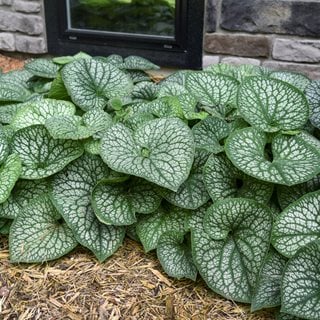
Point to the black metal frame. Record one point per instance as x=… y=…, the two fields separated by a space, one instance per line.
x=184 y=50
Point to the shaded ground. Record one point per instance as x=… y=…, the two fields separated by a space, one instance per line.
x=129 y=286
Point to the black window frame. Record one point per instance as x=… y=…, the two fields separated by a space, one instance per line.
x=184 y=50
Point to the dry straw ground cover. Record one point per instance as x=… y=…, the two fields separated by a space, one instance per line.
x=131 y=285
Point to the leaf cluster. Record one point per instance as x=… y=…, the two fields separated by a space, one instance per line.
x=217 y=170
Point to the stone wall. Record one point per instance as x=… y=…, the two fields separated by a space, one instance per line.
x=280 y=34
x=22 y=26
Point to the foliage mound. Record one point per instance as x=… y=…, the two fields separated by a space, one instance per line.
x=217 y=170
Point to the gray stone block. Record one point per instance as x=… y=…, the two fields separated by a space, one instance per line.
x=26 y=6
x=272 y=16
x=30 y=44
x=312 y=71
x=296 y=50
x=211 y=16
x=6 y=2
x=238 y=60
x=25 y=23
x=238 y=45
x=6 y=21
x=7 y=42
x=208 y=60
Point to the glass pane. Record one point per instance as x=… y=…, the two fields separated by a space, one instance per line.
x=150 y=17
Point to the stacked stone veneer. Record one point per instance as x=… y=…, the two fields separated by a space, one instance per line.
x=22 y=26
x=280 y=34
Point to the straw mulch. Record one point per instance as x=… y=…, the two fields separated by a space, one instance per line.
x=11 y=63
x=130 y=285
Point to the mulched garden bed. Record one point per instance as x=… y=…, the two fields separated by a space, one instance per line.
x=131 y=285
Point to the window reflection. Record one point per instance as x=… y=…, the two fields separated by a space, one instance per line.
x=150 y=17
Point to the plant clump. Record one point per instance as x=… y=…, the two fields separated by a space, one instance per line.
x=217 y=170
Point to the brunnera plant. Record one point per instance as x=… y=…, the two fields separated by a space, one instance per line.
x=217 y=170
